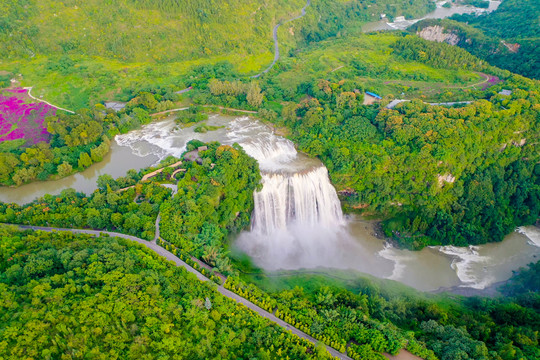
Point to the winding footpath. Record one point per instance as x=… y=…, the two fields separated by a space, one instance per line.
x=276 y=42
x=46 y=102
x=170 y=256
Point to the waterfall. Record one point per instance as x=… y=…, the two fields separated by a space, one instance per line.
x=304 y=198
x=298 y=223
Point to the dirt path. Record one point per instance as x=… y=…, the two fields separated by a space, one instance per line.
x=46 y=102
x=485 y=79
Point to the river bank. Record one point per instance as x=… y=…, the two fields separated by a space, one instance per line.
x=343 y=242
x=441 y=12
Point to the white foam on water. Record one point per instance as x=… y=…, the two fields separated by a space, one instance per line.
x=532 y=233
x=298 y=224
x=465 y=259
x=402 y=25
x=271 y=151
x=398 y=257
x=165 y=138
x=157 y=137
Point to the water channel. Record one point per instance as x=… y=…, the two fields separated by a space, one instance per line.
x=298 y=222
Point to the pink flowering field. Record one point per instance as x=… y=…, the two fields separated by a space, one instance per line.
x=20 y=118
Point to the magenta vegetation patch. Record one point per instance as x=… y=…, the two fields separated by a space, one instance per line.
x=20 y=118
x=491 y=80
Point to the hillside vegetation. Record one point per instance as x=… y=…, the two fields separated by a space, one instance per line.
x=513 y=19
x=76 y=54
x=439 y=175
x=139 y=30
x=508 y=38
x=517 y=55
x=77 y=296
x=171 y=30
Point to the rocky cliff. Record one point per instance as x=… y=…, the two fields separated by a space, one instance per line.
x=437 y=33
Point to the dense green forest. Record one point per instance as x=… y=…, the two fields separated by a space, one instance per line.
x=508 y=37
x=77 y=141
x=513 y=19
x=419 y=166
x=214 y=199
x=77 y=296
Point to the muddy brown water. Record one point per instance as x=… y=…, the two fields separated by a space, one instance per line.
x=116 y=163
x=353 y=244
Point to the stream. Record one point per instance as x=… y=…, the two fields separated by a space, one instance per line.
x=297 y=222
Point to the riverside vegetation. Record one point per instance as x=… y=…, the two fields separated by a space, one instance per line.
x=74 y=142
x=436 y=175
x=363 y=319
x=508 y=38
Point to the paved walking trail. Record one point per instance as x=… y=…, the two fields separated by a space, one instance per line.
x=170 y=256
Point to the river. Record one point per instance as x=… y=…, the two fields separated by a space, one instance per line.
x=116 y=163
x=298 y=222
x=439 y=13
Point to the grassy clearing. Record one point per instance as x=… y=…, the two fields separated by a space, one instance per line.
x=369 y=59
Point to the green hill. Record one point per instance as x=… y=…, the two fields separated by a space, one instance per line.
x=139 y=30
x=168 y=30
x=77 y=53
x=508 y=38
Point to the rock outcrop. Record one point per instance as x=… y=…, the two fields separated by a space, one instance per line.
x=436 y=33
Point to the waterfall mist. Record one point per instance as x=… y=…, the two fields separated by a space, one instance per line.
x=298 y=223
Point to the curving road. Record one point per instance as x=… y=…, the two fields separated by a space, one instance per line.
x=276 y=42
x=170 y=256
x=46 y=102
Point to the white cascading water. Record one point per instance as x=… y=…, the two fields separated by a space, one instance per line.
x=297 y=221
x=304 y=198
